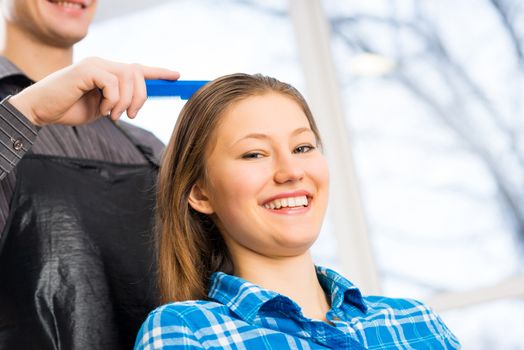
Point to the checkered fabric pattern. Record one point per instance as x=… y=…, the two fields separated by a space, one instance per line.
x=241 y=315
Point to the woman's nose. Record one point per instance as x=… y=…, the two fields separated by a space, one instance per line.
x=288 y=169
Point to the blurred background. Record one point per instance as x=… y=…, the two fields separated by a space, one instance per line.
x=421 y=107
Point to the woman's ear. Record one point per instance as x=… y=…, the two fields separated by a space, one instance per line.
x=199 y=200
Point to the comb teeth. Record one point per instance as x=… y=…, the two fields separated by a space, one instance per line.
x=177 y=88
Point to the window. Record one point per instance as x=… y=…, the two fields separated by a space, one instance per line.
x=433 y=99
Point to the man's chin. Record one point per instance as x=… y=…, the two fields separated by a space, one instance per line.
x=65 y=41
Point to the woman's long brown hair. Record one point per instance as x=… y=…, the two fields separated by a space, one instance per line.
x=190 y=247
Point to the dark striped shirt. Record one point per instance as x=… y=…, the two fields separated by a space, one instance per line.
x=101 y=140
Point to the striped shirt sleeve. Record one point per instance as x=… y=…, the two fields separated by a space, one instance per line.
x=17 y=135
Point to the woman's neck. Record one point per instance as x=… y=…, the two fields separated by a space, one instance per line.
x=35 y=58
x=294 y=277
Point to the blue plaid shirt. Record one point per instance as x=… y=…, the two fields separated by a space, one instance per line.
x=242 y=315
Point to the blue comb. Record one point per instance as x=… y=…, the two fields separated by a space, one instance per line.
x=167 y=88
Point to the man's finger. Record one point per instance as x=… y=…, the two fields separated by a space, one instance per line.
x=159 y=73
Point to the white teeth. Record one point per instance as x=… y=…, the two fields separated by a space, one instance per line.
x=290 y=202
x=68 y=4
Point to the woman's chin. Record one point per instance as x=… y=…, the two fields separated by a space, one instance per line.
x=294 y=246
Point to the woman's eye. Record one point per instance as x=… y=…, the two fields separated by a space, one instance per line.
x=304 y=149
x=252 y=155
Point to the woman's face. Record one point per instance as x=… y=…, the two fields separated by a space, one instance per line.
x=267 y=182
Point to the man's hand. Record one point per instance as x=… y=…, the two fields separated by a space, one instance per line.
x=86 y=90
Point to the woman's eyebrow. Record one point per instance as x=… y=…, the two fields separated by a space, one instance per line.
x=258 y=136
x=261 y=136
x=301 y=130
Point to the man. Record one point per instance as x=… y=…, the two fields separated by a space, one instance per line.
x=76 y=199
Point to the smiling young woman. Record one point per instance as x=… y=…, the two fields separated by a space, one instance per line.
x=242 y=194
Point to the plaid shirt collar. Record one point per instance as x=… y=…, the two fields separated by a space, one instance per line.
x=246 y=299
x=340 y=289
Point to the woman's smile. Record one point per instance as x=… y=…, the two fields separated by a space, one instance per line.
x=289 y=203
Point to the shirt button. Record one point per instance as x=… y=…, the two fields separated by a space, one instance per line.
x=17 y=145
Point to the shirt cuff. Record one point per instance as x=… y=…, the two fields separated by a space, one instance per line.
x=17 y=135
